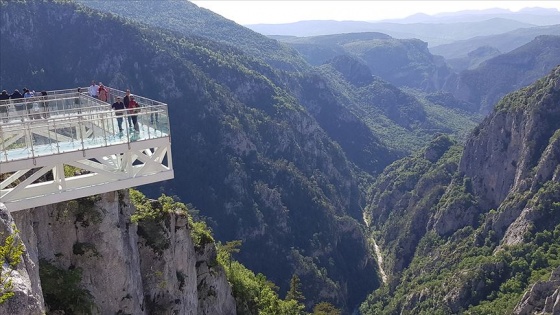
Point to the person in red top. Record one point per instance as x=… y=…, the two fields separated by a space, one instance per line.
x=133 y=110
x=102 y=92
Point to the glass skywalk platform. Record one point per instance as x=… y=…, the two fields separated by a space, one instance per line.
x=67 y=145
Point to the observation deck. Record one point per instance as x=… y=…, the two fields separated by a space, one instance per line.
x=67 y=145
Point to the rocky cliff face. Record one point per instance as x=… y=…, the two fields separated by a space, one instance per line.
x=91 y=247
x=28 y=297
x=252 y=157
x=543 y=298
x=505 y=73
x=459 y=229
x=515 y=152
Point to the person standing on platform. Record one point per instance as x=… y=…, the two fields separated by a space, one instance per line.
x=16 y=94
x=126 y=100
x=133 y=110
x=118 y=106
x=93 y=89
x=27 y=93
x=44 y=98
x=16 y=97
x=102 y=92
x=4 y=97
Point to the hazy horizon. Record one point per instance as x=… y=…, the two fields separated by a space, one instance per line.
x=280 y=12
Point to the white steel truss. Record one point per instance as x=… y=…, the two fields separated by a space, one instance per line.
x=101 y=170
x=78 y=152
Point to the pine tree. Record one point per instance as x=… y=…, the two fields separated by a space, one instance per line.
x=294 y=293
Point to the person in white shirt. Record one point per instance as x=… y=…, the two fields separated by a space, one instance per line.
x=93 y=89
x=28 y=93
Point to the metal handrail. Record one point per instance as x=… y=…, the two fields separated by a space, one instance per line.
x=69 y=111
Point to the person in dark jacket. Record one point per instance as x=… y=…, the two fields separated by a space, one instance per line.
x=4 y=96
x=118 y=106
x=45 y=103
x=17 y=98
x=16 y=94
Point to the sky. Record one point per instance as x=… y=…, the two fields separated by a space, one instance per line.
x=287 y=11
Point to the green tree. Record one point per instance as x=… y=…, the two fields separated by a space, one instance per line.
x=325 y=308
x=227 y=250
x=294 y=293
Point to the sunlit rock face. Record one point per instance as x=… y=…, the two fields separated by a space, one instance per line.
x=27 y=298
x=120 y=270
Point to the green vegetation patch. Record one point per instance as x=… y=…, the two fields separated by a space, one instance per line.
x=254 y=294
x=62 y=289
x=466 y=273
x=10 y=254
x=152 y=218
x=82 y=210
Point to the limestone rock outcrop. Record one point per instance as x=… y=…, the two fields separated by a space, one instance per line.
x=28 y=297
x=94 y=240
x=543 y=298
x=499 y=194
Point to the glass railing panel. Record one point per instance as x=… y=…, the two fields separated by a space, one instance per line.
x=67 y=135
x=15 y=140
x=68 y=120
x=42 y=138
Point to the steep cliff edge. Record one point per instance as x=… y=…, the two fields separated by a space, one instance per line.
x=476 y=232
x=253 y=158
x=544 y=296
x=19 y=281
x=91 y=256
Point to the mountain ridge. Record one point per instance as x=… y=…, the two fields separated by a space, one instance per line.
x=434 y=34
x=455 y=223
x=252 y=158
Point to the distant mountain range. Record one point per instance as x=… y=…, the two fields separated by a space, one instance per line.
x=435 y=30
x=537 y=16
x=479 y=78
x=462 y=51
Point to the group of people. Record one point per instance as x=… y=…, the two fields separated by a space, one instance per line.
x=98 y=91
x=17 y=94
x=126 y=104
x=36 y=109
x=121 y=105
x=129 y=104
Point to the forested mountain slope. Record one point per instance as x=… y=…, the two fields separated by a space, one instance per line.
x=405 y=120
x=409 y=64
x=186 y=18
x=362 y=134
x=503 y=43
x=471 y=229
x=505 y=73
x=402 y=62
x=247 y=152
